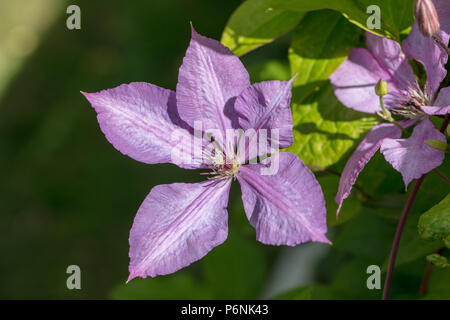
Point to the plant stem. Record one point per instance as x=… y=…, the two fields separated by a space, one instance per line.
x=440 y=174
x=401 y=225
x=426 y=277
x=398 y=235
x=445 y=123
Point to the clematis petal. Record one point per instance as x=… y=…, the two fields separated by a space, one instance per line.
x=286 y=207
x=363 y=153
x=389 y=55
x=209 y=79
x=355 y=79
x=412 y=157
x=266 y=106
x=139 y=120
x=427 y=51
x=176 y=225
x=441 y=105
x=443 y=11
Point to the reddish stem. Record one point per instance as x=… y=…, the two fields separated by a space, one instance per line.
x=398 y=235
x=401 y=225
x=426 y=277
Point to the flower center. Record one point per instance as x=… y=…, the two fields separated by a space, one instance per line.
x=222 y=167
x=408 y=103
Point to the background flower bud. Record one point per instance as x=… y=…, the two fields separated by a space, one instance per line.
x=426 y=17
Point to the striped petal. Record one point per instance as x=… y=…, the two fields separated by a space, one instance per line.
x=285 y=205
x=176 y=225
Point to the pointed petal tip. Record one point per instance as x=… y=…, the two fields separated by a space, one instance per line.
x=194 y=32
x=88 y=95
x=134 y=274
x=323 y=239
x=339 y=206
x=407 y=182
x=293 y=78
x=130 y=277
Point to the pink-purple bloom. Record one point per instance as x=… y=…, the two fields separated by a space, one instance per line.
x=180 y=223
x=354 y=83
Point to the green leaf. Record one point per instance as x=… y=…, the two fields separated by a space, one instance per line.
x=325 y=130
x=350 y=280
x=254 y=24
x=367 y=235
x=438 y=260
x=313 y=58
x=435 y=223
x=396 y=15
x=268 y=70
x=171 y=287
x=412 y=245
x=236 y=269
x=438 y=287
x=350 y=207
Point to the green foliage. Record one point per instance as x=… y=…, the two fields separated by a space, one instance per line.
x=65 y=187
x=257 y=22
x=438 y=260
x=396 y=15
x=325 y=133
x=349 y=281
x=313 y=59
x=438 y=287
x=435 y=223
x=311 y=292
x=412 y=246
x=324 y=130
x=368 y=235
x=254 y=24
x=350 y=207
x=236 y=269
x=269 y=70
x=171 y=287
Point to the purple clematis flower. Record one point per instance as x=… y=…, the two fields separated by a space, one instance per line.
x=354 y=83
x=180 y=223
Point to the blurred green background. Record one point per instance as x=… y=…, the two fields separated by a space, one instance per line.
x=68 y=197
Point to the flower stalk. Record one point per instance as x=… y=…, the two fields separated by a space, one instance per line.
x=381 y=89
x=401 y=225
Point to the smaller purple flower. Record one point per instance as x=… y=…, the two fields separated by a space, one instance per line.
x=180 y=223
x=354 y=83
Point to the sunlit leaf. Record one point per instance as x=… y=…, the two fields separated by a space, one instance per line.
x=254 y=24
x=435 y=223
x=324 y=130
x=395 y=15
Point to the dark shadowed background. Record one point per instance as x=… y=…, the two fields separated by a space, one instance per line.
x=67 y=196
